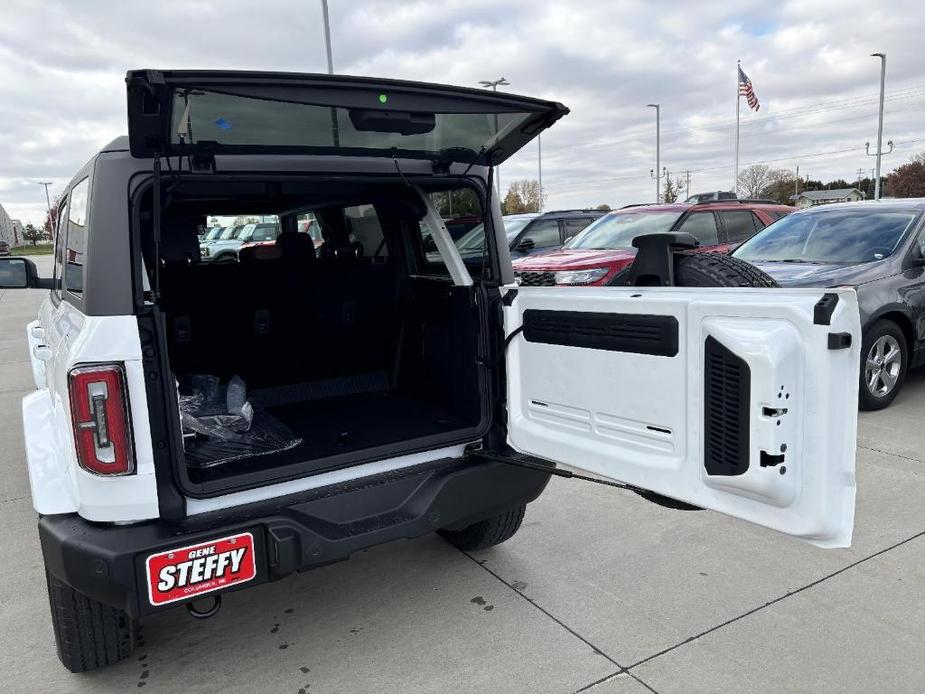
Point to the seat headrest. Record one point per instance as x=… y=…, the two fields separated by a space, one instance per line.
x=180 y=239
x=295 y=247
x=257 y=254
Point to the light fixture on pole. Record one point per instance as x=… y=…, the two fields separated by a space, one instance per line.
x=657 y=174
x=493 y=85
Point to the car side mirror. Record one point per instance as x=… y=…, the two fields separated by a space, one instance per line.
x=21 y=273
x=526 y=245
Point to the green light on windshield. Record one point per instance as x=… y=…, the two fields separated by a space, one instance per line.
x=383 y=98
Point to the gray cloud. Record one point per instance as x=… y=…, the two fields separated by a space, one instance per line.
x=62 y=66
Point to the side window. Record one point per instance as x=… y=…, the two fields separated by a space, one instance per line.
x=60 y=233
x=364 y=229
x=543 y=233
x=702 y=226
x=739 y=224
x=573 y=226
x=75 y=254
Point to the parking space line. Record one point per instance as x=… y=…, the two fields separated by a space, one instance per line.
x=621 y=670
x=776 y=600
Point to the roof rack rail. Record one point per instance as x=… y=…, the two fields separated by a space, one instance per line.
x=577 y=209
x=637 y=204
x=751 y=201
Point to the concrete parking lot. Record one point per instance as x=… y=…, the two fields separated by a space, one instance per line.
x=599 y=592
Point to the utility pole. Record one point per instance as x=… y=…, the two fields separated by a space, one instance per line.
x=658 y=152
x=796 y=186
x=494 y=87
x=539 y=165
x=688 y=173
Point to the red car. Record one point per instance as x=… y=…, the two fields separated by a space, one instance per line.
x=603 y=249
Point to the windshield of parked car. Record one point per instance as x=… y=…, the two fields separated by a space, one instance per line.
x=230 y=233
x=246 y=232
x=215 y=233
x=842 y=237
x=618 y=229
x=474 y=239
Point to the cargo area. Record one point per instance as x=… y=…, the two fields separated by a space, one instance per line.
x=351 y=346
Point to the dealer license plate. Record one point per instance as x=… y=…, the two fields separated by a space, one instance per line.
x=188 y=572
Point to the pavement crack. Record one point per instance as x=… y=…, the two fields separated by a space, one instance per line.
x=776 y=600
x=15 y=498
x=897 y=455
x=546 y=612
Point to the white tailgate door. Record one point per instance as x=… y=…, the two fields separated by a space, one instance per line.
x=743 y=401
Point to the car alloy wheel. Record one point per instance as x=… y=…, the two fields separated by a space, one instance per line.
x=884 y=362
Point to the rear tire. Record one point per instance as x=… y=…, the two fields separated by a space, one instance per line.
x=487 y=533
x=88 y=634
x=710 y=270
x=878 y=344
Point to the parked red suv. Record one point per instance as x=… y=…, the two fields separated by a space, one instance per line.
x=605 y=247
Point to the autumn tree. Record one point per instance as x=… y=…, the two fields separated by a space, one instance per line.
x=753 y=180
x=33 y=234
x=522 y=196
x=781 y=185
x=908 y=180
x=671 y=190
x=603 y=207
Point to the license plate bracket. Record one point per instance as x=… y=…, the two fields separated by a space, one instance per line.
x=188 y=572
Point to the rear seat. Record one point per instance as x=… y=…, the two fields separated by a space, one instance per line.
x=280 y=315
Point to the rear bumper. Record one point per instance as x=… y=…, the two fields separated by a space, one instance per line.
x=107 y=562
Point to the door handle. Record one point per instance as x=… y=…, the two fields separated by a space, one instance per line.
x=42 y=352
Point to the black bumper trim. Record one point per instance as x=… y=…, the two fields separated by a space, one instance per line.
x=106 y=562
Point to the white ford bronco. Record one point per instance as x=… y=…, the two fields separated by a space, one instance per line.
x=199 y=428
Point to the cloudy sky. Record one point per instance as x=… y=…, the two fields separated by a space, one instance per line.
x=62 y=64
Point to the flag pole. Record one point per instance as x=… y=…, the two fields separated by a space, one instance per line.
x=735 y=182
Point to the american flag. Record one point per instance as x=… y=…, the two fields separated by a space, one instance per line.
x=745 y=89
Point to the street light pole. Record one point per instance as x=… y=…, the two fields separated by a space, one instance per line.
x=539 y=165
x=47 y=204
x=658 y=151
x=493 y=84
x=327 y=35
x=882 y=57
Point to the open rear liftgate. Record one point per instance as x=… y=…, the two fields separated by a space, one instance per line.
x=727 y=377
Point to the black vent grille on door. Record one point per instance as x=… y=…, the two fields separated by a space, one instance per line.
x=727 y=396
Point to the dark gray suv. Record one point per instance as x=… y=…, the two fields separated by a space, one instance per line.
x=876 y=247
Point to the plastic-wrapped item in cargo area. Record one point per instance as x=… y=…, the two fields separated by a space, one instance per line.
x=220 y=425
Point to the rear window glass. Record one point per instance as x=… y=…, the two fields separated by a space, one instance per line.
x=830 y=237
x=365 y=231
x=75 y=255
x=236 y=120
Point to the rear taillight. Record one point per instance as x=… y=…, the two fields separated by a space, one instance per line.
x=99 y=410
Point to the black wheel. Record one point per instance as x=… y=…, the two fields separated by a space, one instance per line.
x=487 y=533
x=884 y=359
x=225 y=258
x=711 y=270
x=88 y=634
